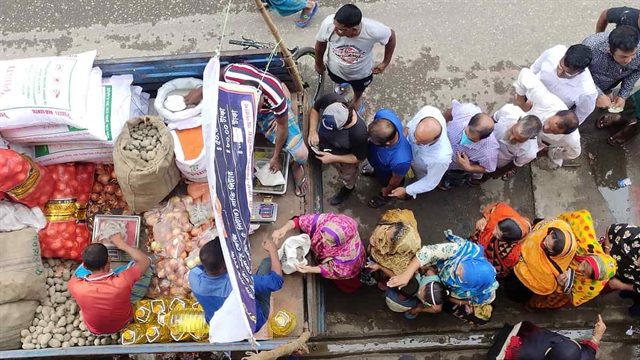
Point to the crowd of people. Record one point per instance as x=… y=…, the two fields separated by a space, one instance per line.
x=543 y=264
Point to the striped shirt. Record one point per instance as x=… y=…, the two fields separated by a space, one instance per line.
x=606 y=72
x=483 y=152
x=274 y=95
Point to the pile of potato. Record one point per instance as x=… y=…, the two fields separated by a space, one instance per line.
x=58 y=322
x=144 y=140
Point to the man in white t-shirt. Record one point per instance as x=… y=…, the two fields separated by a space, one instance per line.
x=565 y=73
x=350 y=39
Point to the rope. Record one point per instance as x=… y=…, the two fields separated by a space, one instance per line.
x=299 y=344
x=224 y=27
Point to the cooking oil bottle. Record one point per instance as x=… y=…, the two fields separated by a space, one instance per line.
x=133 y=334
x=188 y=321
x=282 y=323
x=156 y=333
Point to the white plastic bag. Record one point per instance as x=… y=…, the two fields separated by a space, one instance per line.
x=139 y=102
x=47 y=90
x=293 y=252
x=17 y=217
x=180 y=86
x=195 y=169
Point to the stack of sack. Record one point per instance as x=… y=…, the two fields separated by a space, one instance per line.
x=22 y=278
x=60 y=109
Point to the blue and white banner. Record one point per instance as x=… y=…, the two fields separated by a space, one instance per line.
x=228 y=124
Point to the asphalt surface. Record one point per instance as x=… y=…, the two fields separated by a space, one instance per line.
x=466 y=50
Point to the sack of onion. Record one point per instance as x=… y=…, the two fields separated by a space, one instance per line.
x=66 y=233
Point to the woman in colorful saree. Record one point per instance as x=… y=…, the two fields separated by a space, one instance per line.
x=499 y=231
x=545 y=255
x=336 y=244
x=592 y=266
x=462 y=268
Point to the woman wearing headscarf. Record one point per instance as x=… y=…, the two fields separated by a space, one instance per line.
x=336 y=244
x=499 y=231
x=592 y=266
x=544 y=259
x=394 y=241
x=623 y=244
x=526 y=341
x=462 y=268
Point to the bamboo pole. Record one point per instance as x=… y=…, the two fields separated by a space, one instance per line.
x=288 y=59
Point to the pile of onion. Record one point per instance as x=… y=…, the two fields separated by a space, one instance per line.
x=106 y=194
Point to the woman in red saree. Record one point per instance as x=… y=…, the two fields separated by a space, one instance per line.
x=499 y=232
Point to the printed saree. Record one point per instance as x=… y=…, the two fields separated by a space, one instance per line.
x=395 y=240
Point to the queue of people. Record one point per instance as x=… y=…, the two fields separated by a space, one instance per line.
x=547 y=263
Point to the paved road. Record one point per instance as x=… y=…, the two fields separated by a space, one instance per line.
x=464 y=49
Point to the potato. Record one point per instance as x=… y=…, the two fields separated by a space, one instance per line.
x=28 y=346
x=66 y=344
x=55 y=343
x=44 y=339
x=59 y=337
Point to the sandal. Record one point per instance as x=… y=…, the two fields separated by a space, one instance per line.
x=377 y=201
x=301 y=188
x=305 y=19
x=474 y=182
x=622 y=136
x=608 y=120
x=509 y=175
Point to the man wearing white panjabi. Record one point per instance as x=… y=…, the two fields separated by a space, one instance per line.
x=432 y=152
x=560 y=138
x=565 y=73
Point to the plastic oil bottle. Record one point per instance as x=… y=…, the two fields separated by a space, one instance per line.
x=189 y=320
x=282 y=323
x=133 y=334
x=156 y=333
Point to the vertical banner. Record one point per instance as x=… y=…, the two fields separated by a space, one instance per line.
x=229 y=122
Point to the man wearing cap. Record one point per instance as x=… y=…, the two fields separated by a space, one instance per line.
x=338 y=136
x=432 y=153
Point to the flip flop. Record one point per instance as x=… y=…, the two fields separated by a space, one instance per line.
x=377 y=201
x=509 y=175
x=306 y=18
x=409 y=316
x=608 y=120
x=300 y=190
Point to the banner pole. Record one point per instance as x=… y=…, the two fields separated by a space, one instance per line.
x=288 y=59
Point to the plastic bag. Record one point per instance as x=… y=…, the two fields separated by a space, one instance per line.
x=200 y=212
x=66 y=233
x=180 y=86
x=17 y=216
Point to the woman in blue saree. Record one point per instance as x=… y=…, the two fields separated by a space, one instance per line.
x=306 y=8
x=464 y=270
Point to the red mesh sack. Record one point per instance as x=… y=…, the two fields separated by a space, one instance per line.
x=24 y=181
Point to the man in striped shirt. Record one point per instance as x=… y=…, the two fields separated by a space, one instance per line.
x=475 y=148
x=276 y=120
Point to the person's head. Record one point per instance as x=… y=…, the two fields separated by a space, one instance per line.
x=347 y=21
x=476 y=273
x=623 y=44
x=575 y=60
x=554 y=242
x=594 y=267
x=95 y=257
x=432 y=292
x=335 y=116
x=427 y=132
x=411 y=289
x=382 y=132
x=527 y=127
x=508 y=230
x=479 y=128
x=563 y=122
x=212 y=258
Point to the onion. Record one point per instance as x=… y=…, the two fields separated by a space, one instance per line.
x=104 y=179
x=97 y=188
x=110 y=189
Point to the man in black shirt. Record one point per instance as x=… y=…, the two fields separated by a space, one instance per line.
x=338 y=136
x=620 y=16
